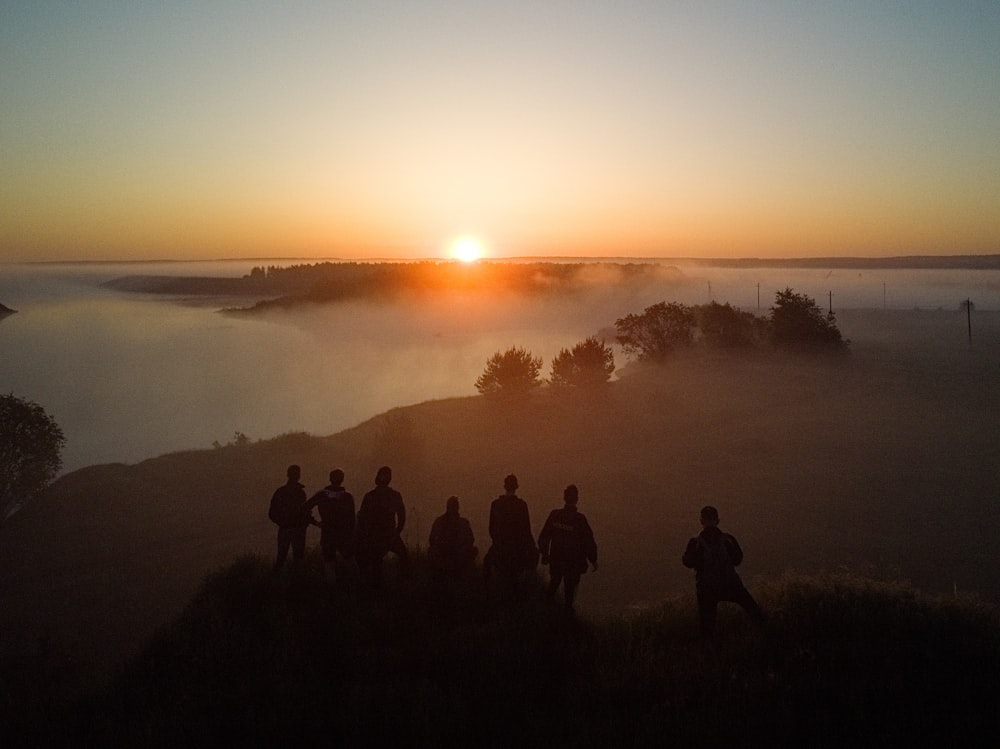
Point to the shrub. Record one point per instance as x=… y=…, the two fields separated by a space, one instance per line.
x=798 y=322
x=588 y=364
x=725 y=326
x=660 y=329
x=30 y=446
x=513 y=371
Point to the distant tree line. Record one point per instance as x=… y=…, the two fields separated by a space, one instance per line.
x=795 y=323
x=323 y=283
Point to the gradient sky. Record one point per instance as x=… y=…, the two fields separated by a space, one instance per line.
x=141 y=129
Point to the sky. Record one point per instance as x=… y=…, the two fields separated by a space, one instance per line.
x=221 y=129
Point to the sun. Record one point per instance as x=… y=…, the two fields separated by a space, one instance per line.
x=467 y=249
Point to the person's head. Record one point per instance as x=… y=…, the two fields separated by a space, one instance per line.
x=293 y=473
x=571 y=495
x=451 y=506
x=510 y=483
x=384 y=476
x=336 y=477
x=709 y=516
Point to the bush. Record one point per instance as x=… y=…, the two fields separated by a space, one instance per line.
x=515 y=371
x=588 y=364
x=727 y=327
x=798 y=322
x=30 y=447
x=660 y=329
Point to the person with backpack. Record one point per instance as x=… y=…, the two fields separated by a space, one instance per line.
x=567 y=544
x=288 y=512
x=379 y=528
x=714 y=556
x=336 y=514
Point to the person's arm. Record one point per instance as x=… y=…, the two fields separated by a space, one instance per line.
x=361 y=526
x=591 y=544
x=545 y=539
x=307 y=508
x=350 y=518
x=435 y=537
x=529 y=537
x=735 y=552
x=466 y=539
x=400 y=515
x=494 y=522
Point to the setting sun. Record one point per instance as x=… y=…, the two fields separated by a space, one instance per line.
x=467 y=249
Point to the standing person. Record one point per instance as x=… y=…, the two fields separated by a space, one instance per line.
x=336 y=514
x=451 y=548
x=287 y=511
x=567 y=544
x=714 y=556
x=513 y=551
x=380 y=522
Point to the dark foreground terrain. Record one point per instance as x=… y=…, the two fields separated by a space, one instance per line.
x=264 y=659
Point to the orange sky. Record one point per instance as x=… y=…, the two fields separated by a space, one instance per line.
x=204 y=131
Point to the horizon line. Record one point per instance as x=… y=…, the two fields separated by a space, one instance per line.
x=941 y=260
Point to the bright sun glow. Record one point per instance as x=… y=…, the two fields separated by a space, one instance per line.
x=467 y=249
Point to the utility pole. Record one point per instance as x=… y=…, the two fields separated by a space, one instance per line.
x=758 y=296
x=968 y=316
x=831 y=303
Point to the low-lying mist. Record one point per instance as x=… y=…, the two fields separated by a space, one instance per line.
x=131 y=376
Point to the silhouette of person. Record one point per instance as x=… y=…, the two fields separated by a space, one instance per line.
x=513 y=551
x=714 y=556
x=380 y=522
x=336 y=514
x=288 y=511
x=451 y=548
x=567 y=544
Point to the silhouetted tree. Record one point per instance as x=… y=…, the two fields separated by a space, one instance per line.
x=798 y=322
x=660 y=329
x=725 y=326
x=588 y=364
x=513 y=371
x=30 y=446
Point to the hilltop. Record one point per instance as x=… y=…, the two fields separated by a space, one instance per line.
x=873 y=464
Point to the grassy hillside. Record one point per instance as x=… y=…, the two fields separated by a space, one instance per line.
x=259 y=659
x=878 y=463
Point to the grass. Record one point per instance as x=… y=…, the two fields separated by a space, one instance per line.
x=262 y=659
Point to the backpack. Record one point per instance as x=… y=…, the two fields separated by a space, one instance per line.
x=284 y=509
x=716 y=569
x=274 y=511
